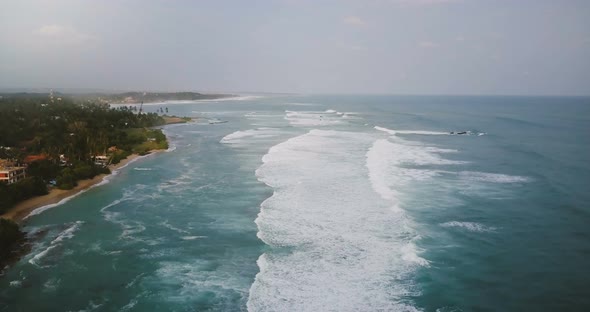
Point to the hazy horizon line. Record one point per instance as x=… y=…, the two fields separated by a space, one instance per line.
x=81 y=91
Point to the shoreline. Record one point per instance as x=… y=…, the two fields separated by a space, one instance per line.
x=170 y=120
x=24 y=209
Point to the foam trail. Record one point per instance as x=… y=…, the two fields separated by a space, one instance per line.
x=347 y=250
x=426 y=132
x=422 y=132
x=469 y=226
x=142 y=169
x=491 y=177
x=394 y=132
x=313 y=118
x=243 y=135
x=66 y=234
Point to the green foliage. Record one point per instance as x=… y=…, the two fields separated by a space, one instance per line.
x=84 y=171
x=35 y=124
x=7 y=199
x=119 y=155
x=45 y=169
x=10 y=236
x=66 y=179
x=24 y=189
x=142 y=141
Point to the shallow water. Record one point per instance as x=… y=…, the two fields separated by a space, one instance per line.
x=330 y=203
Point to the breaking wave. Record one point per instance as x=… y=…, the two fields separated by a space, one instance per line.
x=330 y=226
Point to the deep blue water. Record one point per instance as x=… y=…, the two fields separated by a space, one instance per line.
x=330 y=203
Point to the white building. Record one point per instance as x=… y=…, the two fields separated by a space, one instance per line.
x=11 y=175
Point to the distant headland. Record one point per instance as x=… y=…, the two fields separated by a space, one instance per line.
x=150 y=97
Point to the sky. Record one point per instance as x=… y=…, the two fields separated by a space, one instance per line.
x=495 y=47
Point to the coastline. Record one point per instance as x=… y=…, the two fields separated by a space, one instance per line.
x=176 y=120
x=23 y=209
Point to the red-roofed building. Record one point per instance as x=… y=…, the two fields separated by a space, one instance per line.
x=32 y=158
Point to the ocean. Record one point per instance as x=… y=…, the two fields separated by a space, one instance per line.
x=330 y=203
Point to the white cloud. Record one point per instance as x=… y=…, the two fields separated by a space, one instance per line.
x=64 y=34
x=427 y=44
x=354 y=20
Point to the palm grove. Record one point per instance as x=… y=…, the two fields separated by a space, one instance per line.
x=62 y=138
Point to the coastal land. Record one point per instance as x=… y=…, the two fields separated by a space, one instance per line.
x=149 y=97
x=54 y=147
x=23 y=209
x=19 y=212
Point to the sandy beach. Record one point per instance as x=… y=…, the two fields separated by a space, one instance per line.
x=24 y=208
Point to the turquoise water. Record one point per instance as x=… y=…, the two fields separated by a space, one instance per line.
x=330 y=203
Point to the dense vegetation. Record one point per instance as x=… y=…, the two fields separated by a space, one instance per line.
x=65 y=136
x=26 y=188
x=58 y=140
x=10 y=239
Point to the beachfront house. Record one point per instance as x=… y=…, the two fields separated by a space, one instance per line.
x=101 y=160
x=11 y=174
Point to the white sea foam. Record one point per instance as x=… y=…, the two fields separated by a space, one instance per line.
x=348 y=251
x=129 y=227
x=491 y=177
x=261 y=115
x=36 y=260
x=421 y=132
x=130 y=305
x=258 y=133
x=425 y=132
x=142 y=169
x=313 y=118
x=171 y=143
x=394 y=132
x=349 y=115
x=301 y=104
x=192 y=237
x=68 y=233
x=91 y=306
x=196 y=276
x=167 y=225
x=51 y=285
x=469 y=226
x=16 y=283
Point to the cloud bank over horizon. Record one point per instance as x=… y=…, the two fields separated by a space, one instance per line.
x=351 y=46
